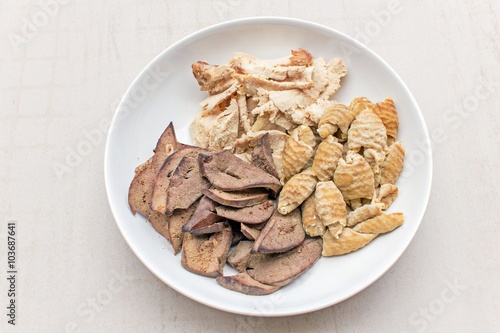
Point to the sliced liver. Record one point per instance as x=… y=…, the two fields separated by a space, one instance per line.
x=281 y=269
x=255 y=214
x=281 y=233
x=186 y=184
x=229 y=173
x=243 y=283
x=206 y=254
x=237 y=199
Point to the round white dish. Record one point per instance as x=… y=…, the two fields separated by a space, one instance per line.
x=166 y=91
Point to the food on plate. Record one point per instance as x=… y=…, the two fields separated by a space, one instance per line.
x=281 y=233
x=281 y=174
x=296 y=191
x=243 y=283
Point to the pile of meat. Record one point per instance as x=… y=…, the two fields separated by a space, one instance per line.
x=249 y=97
x=206 y=201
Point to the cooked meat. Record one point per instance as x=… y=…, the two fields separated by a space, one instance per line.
x=255 y=214
x=281 y=269
x=250 y=232
x=175 y=223
x=224 y=132
x=237 y=199
x=210 y=103
x=208 y=229
x=141 y=188
x=213 y=79
x=185 y=184
x=238 y=258
x=206 y=254
x=203 y=216
x=228 y=173
x=160 y=223
x=262 y=156
x=281 y=233
x=159 y=198
x=243 y=283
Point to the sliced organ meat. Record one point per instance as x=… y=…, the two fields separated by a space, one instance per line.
x=249 y=232
x=281 y=269
x=186 y=184
x=141 y=188
x=206 y=254
x=203 y=216
x=159 y=198
x=175 y=223
x=229 y=173
x=239 y=257
x=243 y=283
x=237 y=199
x=255 y=214
x=262 y=156
x=281 y=233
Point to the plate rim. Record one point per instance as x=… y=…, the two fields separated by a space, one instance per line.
x=282 y=21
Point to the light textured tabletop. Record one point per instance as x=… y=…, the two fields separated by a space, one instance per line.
x=64 y=65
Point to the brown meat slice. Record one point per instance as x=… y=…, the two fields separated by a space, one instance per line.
x=243 y=283
x=249 y=232
x=237 y=199
x=262 y=156
x=209 y=229
x=250 y=215
x=185 y=184
x=175 y=223
x=160 y=223
x=229 y=173
x=159 y=198
x=281 y=233
x=141 y=188
x=281 y=269
x=203 y=216
x=206 y=254
x=239 y=257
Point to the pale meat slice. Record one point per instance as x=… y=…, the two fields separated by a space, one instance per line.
x=335 y=71
x=224 y=132
x=311 y=222
x=296 y=190
x=298 y=151
x=250 y=83
x=228 y=173
x=142 y=186
x=237 y=199
x=330 y=207
x=212 y=78
x=277 y=69
x=281 y=233
x=386 y=194
x=206 y=254
x=209 y=104
x=268 y=117
x=363 y=213
x=380 y=224
x=186 y=184
x=255 y=214
x=348 y=241
x=281 y=269
x=292 y=99
x=176 y=221
x=243 y=283
x=159 y=198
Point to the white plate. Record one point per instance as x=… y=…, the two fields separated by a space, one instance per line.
x=166 y=91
